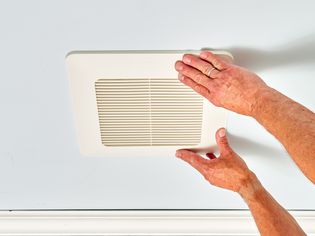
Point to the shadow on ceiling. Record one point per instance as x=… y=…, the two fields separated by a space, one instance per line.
x=300 y=51
x=252 y=148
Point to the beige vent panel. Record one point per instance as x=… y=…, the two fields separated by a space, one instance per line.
x=148 y=112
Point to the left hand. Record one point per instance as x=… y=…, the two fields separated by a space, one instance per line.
x=228 y=171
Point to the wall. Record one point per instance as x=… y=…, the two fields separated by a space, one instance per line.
x=40 y=166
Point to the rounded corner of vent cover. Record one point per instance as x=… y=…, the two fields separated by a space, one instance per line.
x=132 y=104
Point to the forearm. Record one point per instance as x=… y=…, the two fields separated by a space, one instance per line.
x=292 y=124
x=270 y=217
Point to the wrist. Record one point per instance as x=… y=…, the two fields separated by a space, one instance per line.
x=263 y=99
x=250 y=187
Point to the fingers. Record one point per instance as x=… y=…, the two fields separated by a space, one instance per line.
x=216 y=61
x=196 y=87
x=222 y=141
x=196 y=161
x=194 y=74
x=205 y=67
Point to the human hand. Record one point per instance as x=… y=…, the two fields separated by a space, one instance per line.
x=228 y=171
x=222 y=83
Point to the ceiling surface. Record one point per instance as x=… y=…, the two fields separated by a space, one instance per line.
x=40 y=163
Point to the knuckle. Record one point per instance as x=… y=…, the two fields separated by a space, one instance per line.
x=205 y=92
x=224 y=144
x=199 y=76
x=228 y=152
x=215 y=102
x=215 y=73
x=197 y=88
x=231 y=71
x=216 y=63
x=209 y=84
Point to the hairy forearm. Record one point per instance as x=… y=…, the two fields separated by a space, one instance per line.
x=270 y=217
x=292 y=124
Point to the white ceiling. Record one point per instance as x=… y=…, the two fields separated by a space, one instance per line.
x=40 y=166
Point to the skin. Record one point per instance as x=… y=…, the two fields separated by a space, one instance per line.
x=244 y=92
x=229 y=171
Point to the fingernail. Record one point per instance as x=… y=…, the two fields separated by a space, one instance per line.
x=181 y=77
x=222 y=133
x=178 y=154
x=203 y=55
x=186 y=60
x=179 y=67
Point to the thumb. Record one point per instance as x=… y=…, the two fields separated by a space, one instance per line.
x=222 y=141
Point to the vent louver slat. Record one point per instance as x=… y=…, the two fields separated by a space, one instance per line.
x=148 y=112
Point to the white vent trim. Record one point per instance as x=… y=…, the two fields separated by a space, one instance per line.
x=86 y=68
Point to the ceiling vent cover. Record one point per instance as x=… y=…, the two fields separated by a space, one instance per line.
x=132 y=104
x=148 y=112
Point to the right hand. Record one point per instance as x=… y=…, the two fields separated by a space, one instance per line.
x=230 y=86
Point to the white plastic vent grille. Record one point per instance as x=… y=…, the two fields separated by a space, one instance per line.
x=148 y=112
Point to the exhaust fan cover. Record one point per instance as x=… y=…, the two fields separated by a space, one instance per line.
x=130 y=103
